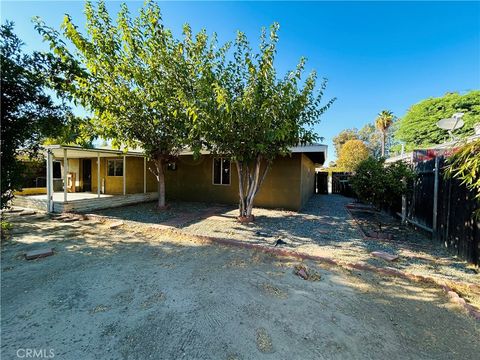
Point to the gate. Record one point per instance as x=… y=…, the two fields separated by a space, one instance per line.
x=341 y=184
x=321 y=183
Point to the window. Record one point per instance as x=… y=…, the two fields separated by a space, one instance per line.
x=221 y=171
x=115 y=167
x=57 y=170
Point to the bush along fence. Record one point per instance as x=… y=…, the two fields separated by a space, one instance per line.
x=443 y=206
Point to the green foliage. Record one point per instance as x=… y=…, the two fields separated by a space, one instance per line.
x=373 y=139
x=352 y=153
x=253 y=111
x=134 y=77
x=147 y=88
x=381 y=185
x=29 y=115
x=251 y=115
x=418 y=127
x=368 y=134
x=344 y=136
x=131 y=71
x=5 y=228
x=6 y=225
x=465 y=166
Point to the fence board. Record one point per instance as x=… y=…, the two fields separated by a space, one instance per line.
x=456 y=227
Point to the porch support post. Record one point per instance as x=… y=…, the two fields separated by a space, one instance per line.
x=49 y=182
x=98 y=174
x=65 y=175
x=144 y=175
x=124 y=174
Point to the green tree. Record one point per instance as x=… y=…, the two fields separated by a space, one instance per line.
x=134 y=76
x=251 y=116
x=465 y=166
x=381 y=185
x=418 y=127
x=352 y=153
x=373 y=139
x=368 y=134
x=29 y=114
x=383 y=122
x=342 y=137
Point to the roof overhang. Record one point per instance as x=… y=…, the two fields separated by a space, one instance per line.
x=316 y=152
x=76 y=152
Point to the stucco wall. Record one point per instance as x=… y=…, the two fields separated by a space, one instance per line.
x=193 y=181
x=308 y=179
x=289 y=182
x=134 y=177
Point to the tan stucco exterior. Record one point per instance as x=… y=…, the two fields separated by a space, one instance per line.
x=282 y=188
x=113 y=184
x=288 y=184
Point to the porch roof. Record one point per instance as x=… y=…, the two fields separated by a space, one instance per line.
x=75 y=152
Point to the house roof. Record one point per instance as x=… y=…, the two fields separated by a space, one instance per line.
x=316 y=152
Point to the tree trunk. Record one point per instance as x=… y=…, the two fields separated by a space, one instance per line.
x=383 y=143
x=241 y=185
x=249 y=183
x=160 y=175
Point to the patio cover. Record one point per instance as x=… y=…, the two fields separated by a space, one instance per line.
x=74 y=152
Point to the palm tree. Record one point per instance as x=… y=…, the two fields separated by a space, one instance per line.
x=382 y=123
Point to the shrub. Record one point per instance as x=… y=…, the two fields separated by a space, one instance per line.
x=465 y=166
x=5 y=227
x=381 y=185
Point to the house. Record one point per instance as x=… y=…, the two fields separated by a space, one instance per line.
x=125 y=179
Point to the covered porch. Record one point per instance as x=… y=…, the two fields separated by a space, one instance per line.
x=81 y=180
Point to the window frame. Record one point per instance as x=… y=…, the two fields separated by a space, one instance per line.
x=115 y=167
x=221 y=171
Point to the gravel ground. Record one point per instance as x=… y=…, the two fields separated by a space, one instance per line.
x=118 y=294
x=178 y=214
x=325 y=228
x=322 y=228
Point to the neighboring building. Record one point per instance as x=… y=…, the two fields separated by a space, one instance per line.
x=125 y=178
x=430 y=152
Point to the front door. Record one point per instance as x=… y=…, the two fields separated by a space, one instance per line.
x=87 y=175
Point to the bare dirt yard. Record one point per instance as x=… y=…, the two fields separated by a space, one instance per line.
x=127 y=294
x=323 y=228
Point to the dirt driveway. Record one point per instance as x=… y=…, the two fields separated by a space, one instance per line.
x=113 y=294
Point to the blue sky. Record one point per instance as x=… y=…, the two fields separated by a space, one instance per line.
x=376 y=55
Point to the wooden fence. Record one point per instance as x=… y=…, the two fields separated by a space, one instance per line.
x=339 y=183
x=444 y=207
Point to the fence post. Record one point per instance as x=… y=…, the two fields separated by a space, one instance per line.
x=404 y=205
x=330 y=183
x=435 y=197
